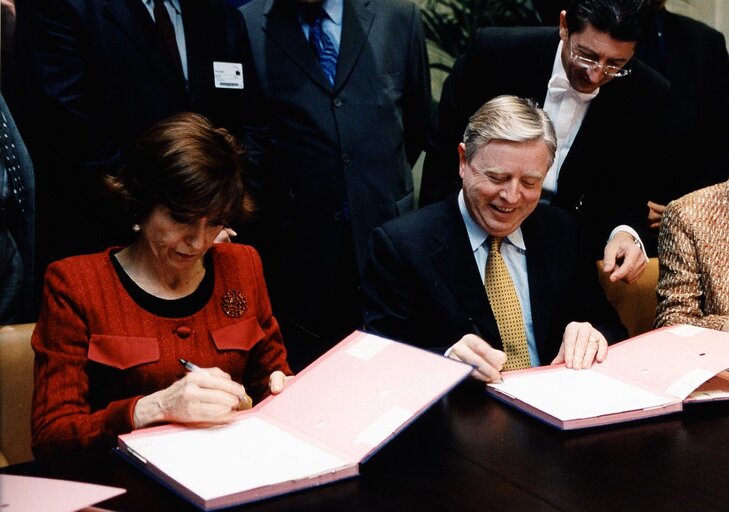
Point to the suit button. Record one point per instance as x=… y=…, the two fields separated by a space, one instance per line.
x=337 y=102
x=345 y=158
x=183 y=331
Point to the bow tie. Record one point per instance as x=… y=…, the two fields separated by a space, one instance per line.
x=559 y=85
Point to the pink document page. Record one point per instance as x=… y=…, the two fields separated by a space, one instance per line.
x=648 y=375
x=363 y=392
x=31 y=494
x=333 y=415
x=674 y=360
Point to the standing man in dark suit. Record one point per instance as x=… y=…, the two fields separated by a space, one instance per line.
x=101 y=73
x=693 y=57
x=17 y=224
x=345 y=94
x=606 y=107
x=428 y=270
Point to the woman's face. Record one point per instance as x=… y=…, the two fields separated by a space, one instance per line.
x=178 y=242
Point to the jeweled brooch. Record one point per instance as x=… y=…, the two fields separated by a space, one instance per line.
x=234 y=303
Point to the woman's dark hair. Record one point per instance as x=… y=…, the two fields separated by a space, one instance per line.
x=186 y=164
x=623 y=20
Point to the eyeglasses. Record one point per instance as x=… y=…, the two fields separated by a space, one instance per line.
x=591 y=64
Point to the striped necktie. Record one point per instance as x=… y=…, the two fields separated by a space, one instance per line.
x=319 y=41
x=507 y=309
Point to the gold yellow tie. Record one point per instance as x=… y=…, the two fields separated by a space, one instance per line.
x=507 y=309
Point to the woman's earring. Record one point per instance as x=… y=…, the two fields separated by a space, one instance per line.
x=136 y=228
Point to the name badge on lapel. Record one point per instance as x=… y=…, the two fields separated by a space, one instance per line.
x=228 y=75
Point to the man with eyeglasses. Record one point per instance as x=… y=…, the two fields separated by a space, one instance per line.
x=491 y=272
x=606 y=107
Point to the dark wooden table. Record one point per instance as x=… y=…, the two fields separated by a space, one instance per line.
x=470 y=452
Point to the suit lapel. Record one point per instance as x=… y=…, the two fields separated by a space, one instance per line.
x=135 y=22
x=454 y=261
x=284 y=29
x=575 y=181
x=357 y=20
x=539 y=251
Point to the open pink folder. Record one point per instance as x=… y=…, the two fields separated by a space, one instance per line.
x=332 y=416
x=32 y=494
x=650 y=375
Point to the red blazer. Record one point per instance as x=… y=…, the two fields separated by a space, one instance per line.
x=97 y=351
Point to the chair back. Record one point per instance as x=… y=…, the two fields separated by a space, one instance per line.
x=636 y=302
x=16 y=393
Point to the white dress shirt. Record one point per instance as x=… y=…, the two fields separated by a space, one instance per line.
x=566 y=108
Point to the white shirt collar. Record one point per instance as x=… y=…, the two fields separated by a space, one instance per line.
x=174 y=3
x=477 y=236
x=558 y=73
x=334 y=9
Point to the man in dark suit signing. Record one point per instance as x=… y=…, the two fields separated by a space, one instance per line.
x=606 y=107
x=345 y=99
x=541 y=303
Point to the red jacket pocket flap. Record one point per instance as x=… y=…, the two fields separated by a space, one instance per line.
x=239 y=336
x=122 y=352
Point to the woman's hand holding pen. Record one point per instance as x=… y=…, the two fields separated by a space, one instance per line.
x=486 y=360
x=202 y=396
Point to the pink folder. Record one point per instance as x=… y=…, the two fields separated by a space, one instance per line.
x=650 y=375
x=32 y=494
x=334 y=415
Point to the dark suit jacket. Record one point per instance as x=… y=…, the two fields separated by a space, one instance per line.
x=423 y=286
x=694 y=58
x=324 y=148
x=17 y=230
x=99 y=77
x=611 y=164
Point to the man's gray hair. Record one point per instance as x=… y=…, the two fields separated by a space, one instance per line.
x=509 y=118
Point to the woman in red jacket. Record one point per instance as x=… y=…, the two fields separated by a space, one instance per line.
x=114 y=325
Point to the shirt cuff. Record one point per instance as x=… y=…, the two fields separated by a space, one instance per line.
x=633 y=233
